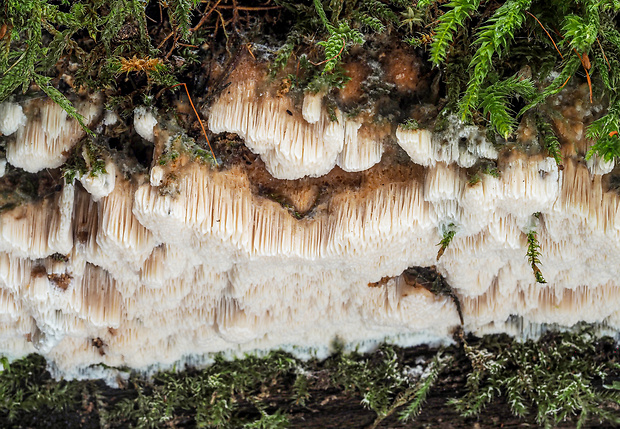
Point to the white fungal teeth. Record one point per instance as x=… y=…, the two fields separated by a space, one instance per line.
x=48 y=135
x=294 y=146
x=12 y=118
x=144 y=121
x=313 y=106
x=463 y=145
x=159 y=276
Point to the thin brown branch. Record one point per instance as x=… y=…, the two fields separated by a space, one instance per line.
x=548 y=35
x=604 y=56
x=205 y=16
x=174 y=45
x=250 y=8
x=344 y=43
x=199 y=120
x=164 y=41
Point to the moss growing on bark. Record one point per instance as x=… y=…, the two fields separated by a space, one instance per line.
x=567 y=377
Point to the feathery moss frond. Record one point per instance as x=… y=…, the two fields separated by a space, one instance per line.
x=448 y=235
x=418 y=394
x=554 y=378
x=379 y=10
x=570 y=66
x=180 y=15
x=60 y=99
x=581 y=31
x=448 y=23
x=549 y=139
x=494 y=102
x=533 y=255
x=371 y=22
x=493 y=39
x=604 y=132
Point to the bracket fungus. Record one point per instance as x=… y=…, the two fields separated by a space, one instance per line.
x=182 y=259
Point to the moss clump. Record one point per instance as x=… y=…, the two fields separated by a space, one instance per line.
x=558 y=378
x=563 y=377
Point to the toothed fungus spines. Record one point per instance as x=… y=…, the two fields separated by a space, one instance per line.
x=322 y=205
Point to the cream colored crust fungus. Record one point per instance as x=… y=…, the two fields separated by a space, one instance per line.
x=291 y=144
x=48 y=135
x=190 y=260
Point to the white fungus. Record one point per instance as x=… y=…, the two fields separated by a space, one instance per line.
x=292 y=145
x=48 y=136
x=160 y=277
x=100 y=184
x=144 y=121
x=312 y=107
x=110 y=118
x=11 y=117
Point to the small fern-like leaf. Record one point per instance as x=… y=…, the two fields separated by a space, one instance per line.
x=423 y=4
x=20 y=73
x=579 y=33
x=321 y=12
x=180 y=12
x=379 y=10
x=533 y=256
x=423 y=387
x=60 y=99
x=336 y=45
x=604 y=132
x=494 y=102
x=494 y=38
x=448 y=23
x=369 y=21
x=550 y=140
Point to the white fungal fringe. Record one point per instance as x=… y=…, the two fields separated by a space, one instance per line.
x=214 y=267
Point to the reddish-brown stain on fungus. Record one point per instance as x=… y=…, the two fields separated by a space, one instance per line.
x=403 y=70
x=352 y=91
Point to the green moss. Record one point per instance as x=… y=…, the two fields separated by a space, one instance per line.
x=533 y=255
x=557 y=378
x=182 y=143
x=77 y=165
x=26 y=387
x=448 y=235
x=561 y=377
x=410 y=124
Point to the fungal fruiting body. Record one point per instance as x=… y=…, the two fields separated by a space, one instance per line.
x=190 y=259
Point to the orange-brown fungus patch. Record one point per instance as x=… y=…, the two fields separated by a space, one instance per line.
x=61 y=281
x=315 y=193
x=38 y=271
x=381 y=282
x=352 y=91
x=403 y=70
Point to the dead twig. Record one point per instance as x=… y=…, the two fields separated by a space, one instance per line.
x=205 y=16
x=199 y=120
x=548 y=35
x=344 y=43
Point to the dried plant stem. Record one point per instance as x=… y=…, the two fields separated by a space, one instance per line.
x=548 y=35
x=199 y=120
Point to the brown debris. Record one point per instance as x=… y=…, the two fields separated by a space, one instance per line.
x=61 y=281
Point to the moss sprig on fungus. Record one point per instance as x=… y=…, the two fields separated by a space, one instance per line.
x=533 y=256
